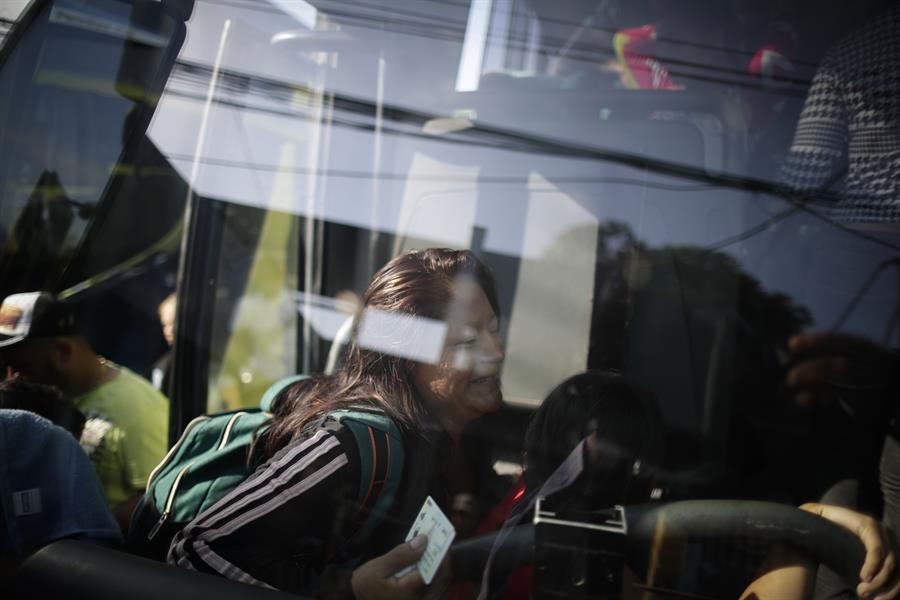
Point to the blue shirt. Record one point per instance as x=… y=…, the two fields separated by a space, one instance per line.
x=48 y=490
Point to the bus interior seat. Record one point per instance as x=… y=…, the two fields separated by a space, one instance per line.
x=78 y=570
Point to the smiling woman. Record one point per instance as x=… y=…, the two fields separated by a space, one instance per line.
x=465 y=384
x=292 y=525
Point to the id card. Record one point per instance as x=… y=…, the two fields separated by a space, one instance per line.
x=434 y=524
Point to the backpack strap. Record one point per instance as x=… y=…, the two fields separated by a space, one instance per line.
x=381 y=464
x=268 y=398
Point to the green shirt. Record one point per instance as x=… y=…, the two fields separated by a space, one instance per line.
x=125 y=434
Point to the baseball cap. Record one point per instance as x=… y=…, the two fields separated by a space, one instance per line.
x=34 y=315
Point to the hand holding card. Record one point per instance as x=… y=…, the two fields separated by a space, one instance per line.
x=389 y=575
x=432 y=523
x=376 y=579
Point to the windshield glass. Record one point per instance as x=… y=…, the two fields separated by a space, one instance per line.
x=701 y=198
x=533 y=137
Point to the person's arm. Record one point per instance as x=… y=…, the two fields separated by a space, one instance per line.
x=273 y=529
x=278 y=528
x=818 y=153
x=375 y=580
x=826 y=362
x=786 y=575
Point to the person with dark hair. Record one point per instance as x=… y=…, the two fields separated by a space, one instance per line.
x=125 y=434
x=48 y=490
x=427 y=354
x=621 y=427
x=620 y=424
x=44 y=400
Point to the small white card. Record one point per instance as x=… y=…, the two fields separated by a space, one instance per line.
x=434 y=524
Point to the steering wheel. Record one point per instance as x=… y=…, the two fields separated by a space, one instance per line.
x=822 y=540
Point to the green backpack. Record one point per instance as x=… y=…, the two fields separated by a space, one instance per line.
x=210 y=460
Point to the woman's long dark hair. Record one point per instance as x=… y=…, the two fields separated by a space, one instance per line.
x=419 y=284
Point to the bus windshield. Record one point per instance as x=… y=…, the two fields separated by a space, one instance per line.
x=699 y=198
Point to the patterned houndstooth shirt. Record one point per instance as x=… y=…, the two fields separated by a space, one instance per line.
x=851 y=120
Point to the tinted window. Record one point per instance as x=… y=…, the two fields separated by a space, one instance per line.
x=672 y=190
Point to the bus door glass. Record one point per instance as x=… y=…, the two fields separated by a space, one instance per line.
x=86 y=204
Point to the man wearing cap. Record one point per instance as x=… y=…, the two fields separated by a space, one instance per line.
x=125 y=434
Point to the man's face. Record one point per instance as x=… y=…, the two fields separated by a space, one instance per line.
x=34 y=360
